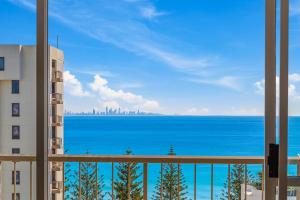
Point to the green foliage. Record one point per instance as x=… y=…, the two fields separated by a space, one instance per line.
x=167 y=183
x=128 y=184
x=237 y=175
x=87 y=186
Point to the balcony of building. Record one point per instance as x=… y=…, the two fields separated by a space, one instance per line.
x=146 y=162
x=56 y=120
x=57 y=76
x=56 y=98
x=57 y=143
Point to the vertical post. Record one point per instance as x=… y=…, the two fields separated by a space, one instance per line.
x=298 y=188
x=64 y=178
x=161 y=181
x=229 y=183
x=178 y=181
x=245 y=178
x=262 y=182
x=270 y=93
x=283 y=103
x=15 y=181
x=30 y=184
x=79 y=179
x=112 y=181
x=195 y=181
x=212 y=182
x=42 y=100
x=97 y=195
x=128 y=183
x=145 y=182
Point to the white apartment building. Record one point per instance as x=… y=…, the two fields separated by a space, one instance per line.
x=18 y=118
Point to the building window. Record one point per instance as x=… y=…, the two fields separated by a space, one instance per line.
x=17 y=177
x=1 y=63
x=53 y=88
x=15 y=132
x=53 y=132
x=17 y=196
x=15 y=109
x=54 y=64
x=15 y=150
x=15 y=86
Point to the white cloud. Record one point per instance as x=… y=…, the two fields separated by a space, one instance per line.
x=150 y=12
x=73 y=86
x=107 y=94
x=295 y=77
x=118 y=23
x=292 y=89
x=230 y=82
x=131 y=85
x=197 y=111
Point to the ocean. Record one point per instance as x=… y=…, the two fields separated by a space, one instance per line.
x=189 y=135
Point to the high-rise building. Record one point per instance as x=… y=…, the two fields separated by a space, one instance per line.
x=18 y=118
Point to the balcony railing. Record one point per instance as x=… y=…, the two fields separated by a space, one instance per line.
x=56 y=120
x=211 y=161
x=57 y=76
x=56 y=98
x=56 y=143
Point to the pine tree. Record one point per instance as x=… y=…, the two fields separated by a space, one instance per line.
x=167 y=184
x=68 y=182
x=128 y=185
x=88 y=184
x=237 y=175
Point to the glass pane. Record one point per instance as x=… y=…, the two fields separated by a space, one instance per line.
x=162 y=78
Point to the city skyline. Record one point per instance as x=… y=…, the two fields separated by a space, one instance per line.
x=109 y=112
x=160 y=57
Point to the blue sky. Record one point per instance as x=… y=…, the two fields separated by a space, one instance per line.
x=205 y=57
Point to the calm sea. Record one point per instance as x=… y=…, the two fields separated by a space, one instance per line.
x=189 y=135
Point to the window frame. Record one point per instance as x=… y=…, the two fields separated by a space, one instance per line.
x=15 y=149
x=18 y=196
x=2 y=68
x=18 y=177
x=12 y=132
x=12 y=110
x=13 y=89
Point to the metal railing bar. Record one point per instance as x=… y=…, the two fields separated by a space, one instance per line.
x=229 y=182
x=97 y=192
x=178 y=181
x=145 y=182
x=79 y=177
x=146 y=159
x=112 y=180
x=262 y=182
x=128 y=182
x=212 y=182
x=195 y=181
x=160 y=159
x=161 y=181
x=246 y=173
x=30 y=183
x=15 y=181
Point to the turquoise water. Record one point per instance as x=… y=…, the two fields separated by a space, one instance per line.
x=153 y=135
